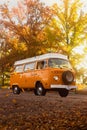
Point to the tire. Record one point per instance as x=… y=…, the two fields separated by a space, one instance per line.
x=63 y=92
x=39 y=90
x=67 y=77
x=16 y=90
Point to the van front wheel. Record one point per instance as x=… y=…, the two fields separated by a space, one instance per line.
x=39 y=90
x=63 y=92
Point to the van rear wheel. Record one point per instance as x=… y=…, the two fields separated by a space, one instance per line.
x=39 y=90
x=16 y=90
x=63 y=92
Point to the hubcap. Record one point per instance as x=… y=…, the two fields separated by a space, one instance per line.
x=39 y=90
x=15 y=89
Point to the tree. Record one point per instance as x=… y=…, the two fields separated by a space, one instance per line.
x=22 y=35
x=69 y=25
x=67 y=30
x=26 y=22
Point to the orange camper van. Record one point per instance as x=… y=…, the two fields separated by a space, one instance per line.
x=51 y=71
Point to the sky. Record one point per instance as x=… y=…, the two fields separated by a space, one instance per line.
x=48 y=2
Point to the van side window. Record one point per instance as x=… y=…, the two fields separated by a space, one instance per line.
x=41 y=64
x=29 y=66
x=19 y=68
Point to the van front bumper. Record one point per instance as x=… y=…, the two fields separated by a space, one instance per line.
x=68 y=87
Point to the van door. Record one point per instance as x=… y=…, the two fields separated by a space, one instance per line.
x=28 y=75
x=42 y=72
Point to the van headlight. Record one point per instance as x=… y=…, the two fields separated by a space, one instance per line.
x=55 y=78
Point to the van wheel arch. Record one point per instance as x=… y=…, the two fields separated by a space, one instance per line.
x=39 y=89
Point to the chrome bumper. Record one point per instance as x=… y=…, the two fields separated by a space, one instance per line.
x=68 y=87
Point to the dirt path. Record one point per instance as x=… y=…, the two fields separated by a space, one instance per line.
x=51 y=112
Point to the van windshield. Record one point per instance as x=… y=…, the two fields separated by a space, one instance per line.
x=59 y=63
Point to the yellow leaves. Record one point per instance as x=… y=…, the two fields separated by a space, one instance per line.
x=17 y=45
x=7 y=95
x=5 y=11
x=14 y=42
x=81 y=87
x=40 y=36
x=23 y=46
x=14 y=101
x=26 y=30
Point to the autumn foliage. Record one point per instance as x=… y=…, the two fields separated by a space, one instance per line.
x=32 y=28
x=29 y=112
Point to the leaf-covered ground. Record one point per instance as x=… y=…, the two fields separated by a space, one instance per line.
x=51 y=112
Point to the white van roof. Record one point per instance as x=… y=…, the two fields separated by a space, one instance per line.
x=41 y=57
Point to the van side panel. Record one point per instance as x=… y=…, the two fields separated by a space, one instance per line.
x=15 y=79
x=28 y=79
x=43 y=77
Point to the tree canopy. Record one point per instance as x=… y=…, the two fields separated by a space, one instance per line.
x=32 y=28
